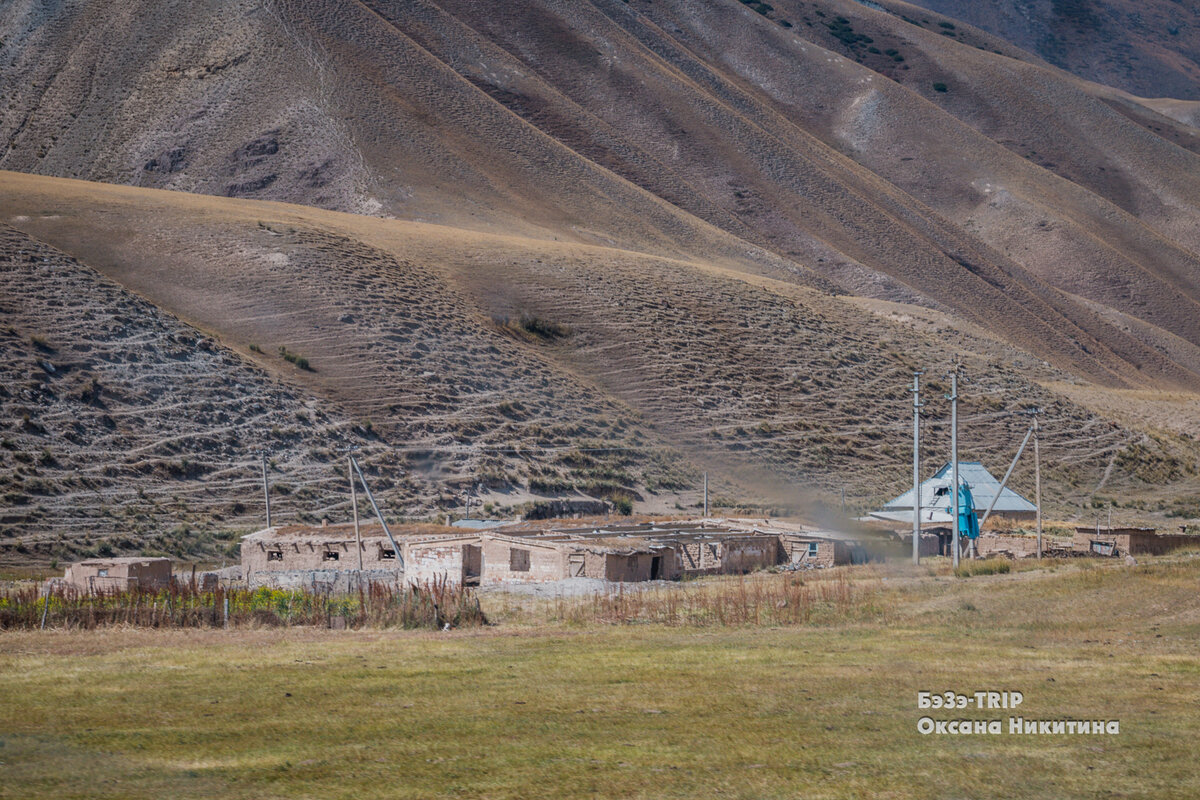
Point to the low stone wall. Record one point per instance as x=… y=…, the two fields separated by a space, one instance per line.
x=1013 y=545
x=563 y=509
x=323 y=580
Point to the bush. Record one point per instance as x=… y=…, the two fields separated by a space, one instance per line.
x=299 y=360
x=941 y=87
x=543 y=327
x=623 y=505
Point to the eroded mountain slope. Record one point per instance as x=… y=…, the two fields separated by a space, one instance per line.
x=680 y=128
x=1148 y=47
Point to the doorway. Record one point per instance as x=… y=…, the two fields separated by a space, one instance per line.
x=472 y=559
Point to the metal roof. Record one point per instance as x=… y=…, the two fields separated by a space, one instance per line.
x=983 y=487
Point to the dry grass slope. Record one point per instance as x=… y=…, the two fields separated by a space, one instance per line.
x=816 y=708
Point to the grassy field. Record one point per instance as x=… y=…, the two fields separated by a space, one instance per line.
x=551 y=702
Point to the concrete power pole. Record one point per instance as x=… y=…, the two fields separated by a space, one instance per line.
x=953 y=398
x=378 y=514
x=266 y=488
x=354 y=505
x=706 y=495
x=916 y=390
x=1037 y=479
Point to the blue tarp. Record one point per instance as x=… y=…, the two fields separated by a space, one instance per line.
x=968 y=523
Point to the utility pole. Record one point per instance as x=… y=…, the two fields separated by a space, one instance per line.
x=266 y=488
x=354 y=505
x=1037 y=479
x=917 y=405
x=953 y=398
x=706 y=495
x=378 y=514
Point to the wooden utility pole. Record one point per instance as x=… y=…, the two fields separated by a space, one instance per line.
x=1037 y=479
x=266 y=487
x=354 y=505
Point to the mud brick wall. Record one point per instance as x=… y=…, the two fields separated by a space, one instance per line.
x=796 y=550
x=546 y=562
x=430 y=561
x=1132 y=541
x=633 y=567
x=151 y=573
x=747 y=555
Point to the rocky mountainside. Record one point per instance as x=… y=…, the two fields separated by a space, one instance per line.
x=1149 y=48
x=934 y=170
x=601 y=247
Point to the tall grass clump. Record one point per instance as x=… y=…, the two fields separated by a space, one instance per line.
x=433 y=604
x=745 y=601
x=988 y=566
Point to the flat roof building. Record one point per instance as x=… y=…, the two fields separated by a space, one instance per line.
x=331 y=557
x=118 y=574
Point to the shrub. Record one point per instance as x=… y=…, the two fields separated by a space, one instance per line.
x=543 y=328
x=294 y=358
x=941 y=87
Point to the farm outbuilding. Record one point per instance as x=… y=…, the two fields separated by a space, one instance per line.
x=114 y=574
x=1129 y=541
x=330 y=556
x=538 y=558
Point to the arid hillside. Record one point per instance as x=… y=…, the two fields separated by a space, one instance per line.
x=160 y=340
x=597 y=248
x=1150 y=48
